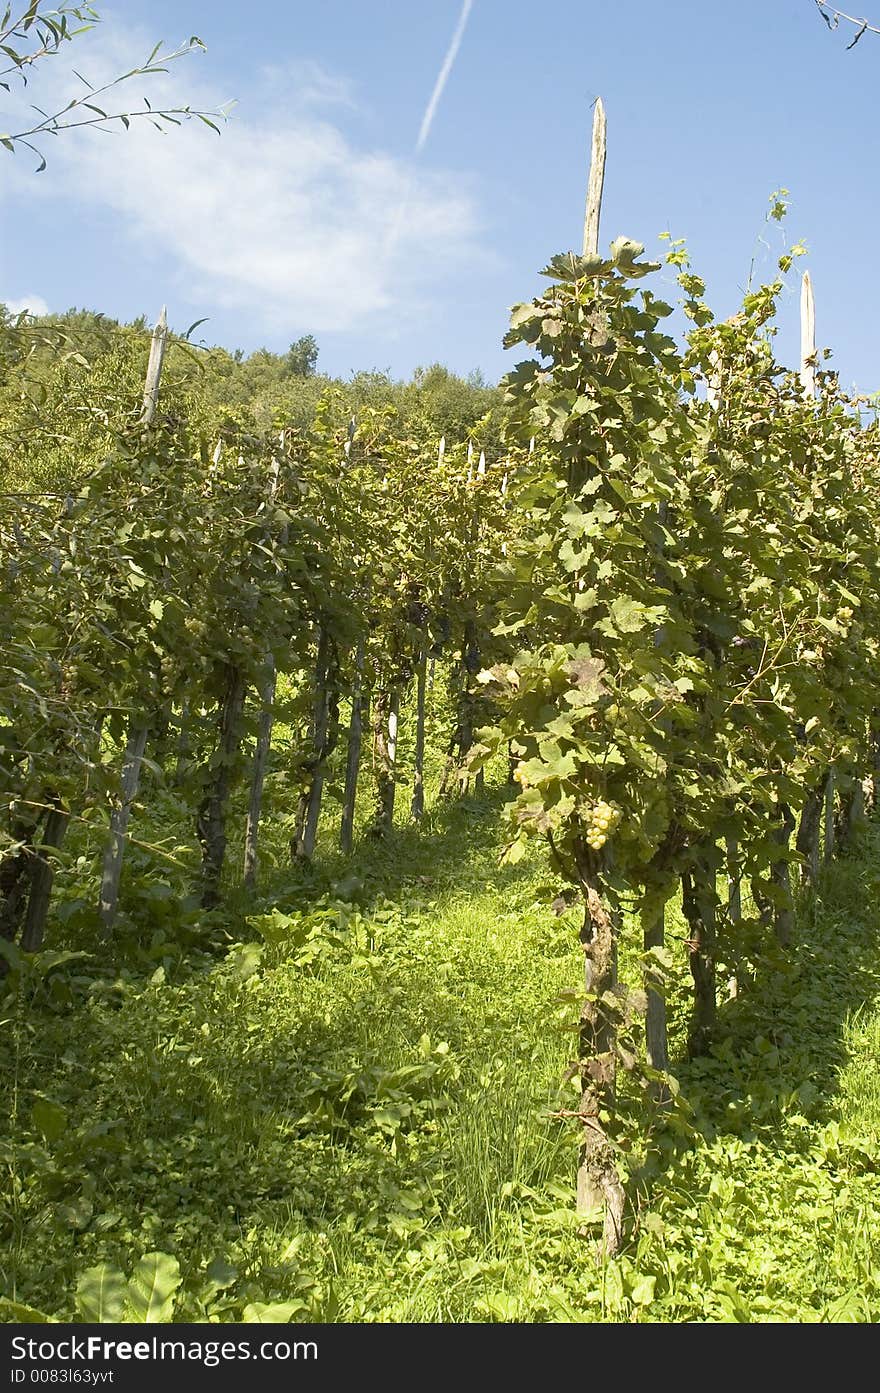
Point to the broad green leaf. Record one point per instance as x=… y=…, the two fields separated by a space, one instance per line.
x=153 y=1284
x=845 y=1309
x=16 y=1312
x=244 y=960
x=514 y=852
x=221 y=1274
x=642 y=1291
x=101 y=1293
x=629 y=615
x=272 y=1313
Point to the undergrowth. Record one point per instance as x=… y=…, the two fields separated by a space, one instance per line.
x=337 y=1101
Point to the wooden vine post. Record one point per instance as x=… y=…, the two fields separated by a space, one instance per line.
x=731 y=846
x=385 y=729
x=258 y=772
x=220 y=771
x=139 y=727
x=211 y=819
x=596 y=182
x=417 y=807
x=820 y=805
x=471 y=663
x=599 y=1190
x=455 y=772
x=653 y=919
x=653 y=916
x=808 y=382
x=359 y=712
x=808 y=337
x=264 y=738
x=324 y=729
x=42 y=876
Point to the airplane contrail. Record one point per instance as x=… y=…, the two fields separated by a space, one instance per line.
x=443 y=75
x=395 y=227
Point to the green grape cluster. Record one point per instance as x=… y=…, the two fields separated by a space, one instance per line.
x=603 y=821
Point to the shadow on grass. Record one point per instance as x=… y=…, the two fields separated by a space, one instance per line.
x=772 y=1072
x=457 y=843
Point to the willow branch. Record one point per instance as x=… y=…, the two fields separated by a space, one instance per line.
x=832 y=18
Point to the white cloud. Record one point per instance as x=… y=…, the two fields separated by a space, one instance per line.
x=34 y=304
x=283 y=215
x=305 y=84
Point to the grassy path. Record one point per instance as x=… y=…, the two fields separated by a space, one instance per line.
x=353 y=1118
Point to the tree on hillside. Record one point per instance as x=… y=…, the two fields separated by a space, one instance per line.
x=302 y=357
x=450 y=404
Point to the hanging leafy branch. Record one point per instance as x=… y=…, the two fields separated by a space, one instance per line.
x=46 y=31
x=37 y=34
x=832 y=18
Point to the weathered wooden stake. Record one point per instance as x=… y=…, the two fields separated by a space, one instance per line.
x=258 y=774
x=212 y=814
x=138 y=730
x=808 y=833
x=596 y=181
x=653 y=928
x=808 y=382
x=828 y=838
x=264 y=728
x=353 y=757
x=16 y=875
x=418 y=798
x=599 y=1188
x=324 y=715
x=808 y=337
x=158 y=345
x=783 y=914
x=734 y=879
x=699 y=908
x=713 y=382
x=115 y=853
x=42 y=875
x=654 y=917
x=387 y=713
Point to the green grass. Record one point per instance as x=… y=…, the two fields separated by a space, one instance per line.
x=358 y=1121
x=859 y=1089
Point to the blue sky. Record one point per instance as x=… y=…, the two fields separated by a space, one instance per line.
x=315 y=213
